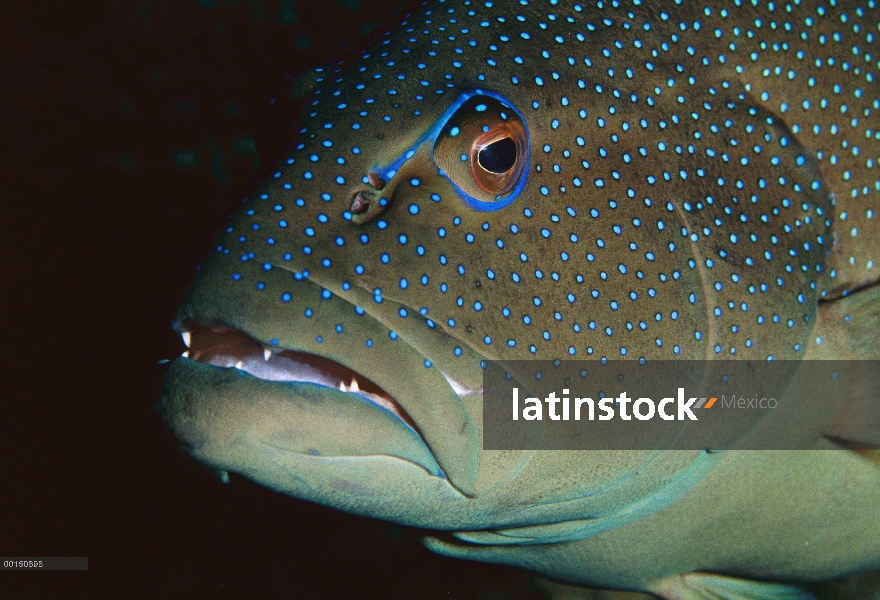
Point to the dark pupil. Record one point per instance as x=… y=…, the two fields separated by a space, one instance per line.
x=498 y=157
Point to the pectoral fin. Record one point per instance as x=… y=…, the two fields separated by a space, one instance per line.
x=709 y=586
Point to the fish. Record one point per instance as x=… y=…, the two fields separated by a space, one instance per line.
x=486 y=181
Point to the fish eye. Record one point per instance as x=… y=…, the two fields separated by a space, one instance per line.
x=483 y=149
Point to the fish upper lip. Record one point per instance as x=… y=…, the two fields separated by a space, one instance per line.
x=458 y=387
x=224 y=346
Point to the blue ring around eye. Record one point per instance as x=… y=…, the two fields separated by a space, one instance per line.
x=390 y=170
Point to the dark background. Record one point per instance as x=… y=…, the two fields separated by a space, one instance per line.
x=126 y=129
x=127 y=133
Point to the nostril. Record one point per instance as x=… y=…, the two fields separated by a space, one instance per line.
x=376 y=181
x=360 y=204
x=366 y=205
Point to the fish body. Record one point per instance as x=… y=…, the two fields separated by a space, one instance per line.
x=555 y=180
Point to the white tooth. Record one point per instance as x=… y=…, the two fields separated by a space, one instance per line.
x=459 y=388
x=239 y=365
x=267 y=354
x=185 y=354
x=354 y=385
x=342 y=387
x=187 y=338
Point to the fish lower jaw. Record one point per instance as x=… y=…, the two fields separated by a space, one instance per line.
x=223 y=346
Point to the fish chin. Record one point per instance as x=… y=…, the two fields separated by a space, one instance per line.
x=297 y=437
x=336 y=448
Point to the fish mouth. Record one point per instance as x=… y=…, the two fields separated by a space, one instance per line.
x=223 y=346
x=344 y=380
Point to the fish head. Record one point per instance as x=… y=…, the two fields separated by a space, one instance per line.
x=489 y=183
